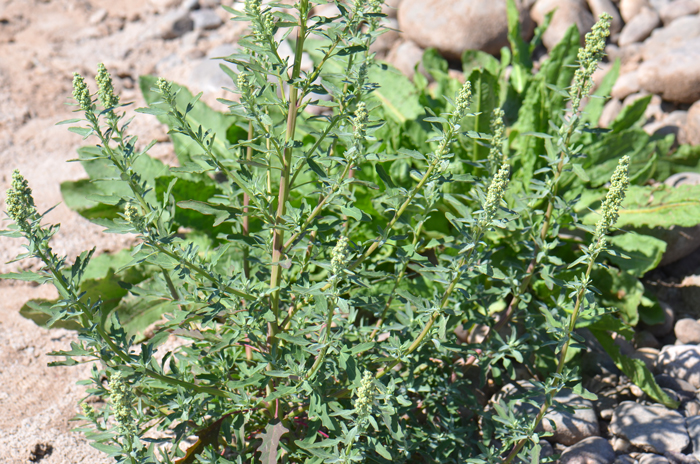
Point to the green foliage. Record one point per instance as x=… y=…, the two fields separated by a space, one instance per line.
x=319 y=246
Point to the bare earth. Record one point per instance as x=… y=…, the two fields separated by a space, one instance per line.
x=41 y=44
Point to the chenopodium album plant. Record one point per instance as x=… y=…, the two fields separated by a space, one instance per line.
x=309 y=330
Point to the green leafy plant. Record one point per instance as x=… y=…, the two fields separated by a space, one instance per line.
x=316 y=266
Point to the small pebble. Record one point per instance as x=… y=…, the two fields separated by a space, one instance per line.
x=606 y=414
x=687 y=331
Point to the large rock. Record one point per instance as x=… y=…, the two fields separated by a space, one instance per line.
x=677 y=9
x=626 y=85
x=674 y=35
x=630 y=8
x=687 y=331
x=640 y=27
x=592 y=450
x=567 y=12
x=175 y=24
x=599 y=7
x=693 y=425
x=681 y=362
x=674 y=75
x=654 y=428
x=453 y=26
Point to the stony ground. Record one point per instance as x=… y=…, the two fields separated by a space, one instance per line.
x=42 y=42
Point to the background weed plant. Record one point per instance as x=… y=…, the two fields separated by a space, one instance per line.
x=319 y=249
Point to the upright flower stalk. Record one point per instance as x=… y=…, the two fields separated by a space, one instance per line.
x=619 y=184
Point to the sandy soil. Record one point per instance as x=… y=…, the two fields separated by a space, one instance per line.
x=42 y=42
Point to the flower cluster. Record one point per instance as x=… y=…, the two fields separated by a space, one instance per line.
x=498 y=129
x=588 y=59
x=611 y=205
x=262 y=21
x=20 y=204
x=105 y=88
x=365 y=397
x=165 y=87
x=339 y=256
x=464 y=100
x=81 y=92
x=120 y=398
x=494 y=195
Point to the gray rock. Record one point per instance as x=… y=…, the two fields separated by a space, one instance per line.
x=206 y=18
x=592 y=450
x=386 y=41
x=621 y=445
x=599 y=7
x=691 y=131
x=675 y=75
x=649 y=458
x=625 y=459
x=677 y=9
x=659 y=4
x=175 y=24
x=647 y=355
x=683 y=178
x=689 y=408
x=568 y=12
x=640 y=27
x=630 y=8
x=651 y=428
x=626 y=85
x=693 y=425
x=567 y=428
x=687 y=331
x=645 y=339
x=668 y=123
x=673 y=36
x=680 y=458
x=453 y=26
x=681 y=362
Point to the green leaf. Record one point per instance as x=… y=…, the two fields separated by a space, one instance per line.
x=270 y=442
x=644 y=252
x=40 y=312
x=649 y=206
x=619 y=290
x=484 y=100
x=384 y=176
x=631 y=114
x=208 y=436
x=476 y=59
x=635 y=369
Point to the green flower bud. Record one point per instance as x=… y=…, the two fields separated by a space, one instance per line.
x=120 y=398
x=81 y=94
x=105 y=88
x=165 y=88
x=19 y=201
x=359 y=122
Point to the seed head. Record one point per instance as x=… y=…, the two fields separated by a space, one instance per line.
x=105 y=89
x=19 y=201
x=359 y=122
x=165 y=88
x=81 y=94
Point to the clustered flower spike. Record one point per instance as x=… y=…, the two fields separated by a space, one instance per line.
x=19 y=201
x=365 y=397
x=89 y=411
x=105 y=89
x=120 y=397
x=263 y=22
x=613 y=200
x=588 y=59
x=464 y=99
x=494 y=195
x=339 y=256
x=498 y=129
x=132 y=216
x=81 y=92
x=359 y=122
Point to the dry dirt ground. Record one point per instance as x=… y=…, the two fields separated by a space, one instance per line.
x=42 y=42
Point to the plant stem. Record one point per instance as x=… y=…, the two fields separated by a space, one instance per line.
x=246 y=202
x=278 y=235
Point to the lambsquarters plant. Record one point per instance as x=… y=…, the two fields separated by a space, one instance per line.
x=309 y=330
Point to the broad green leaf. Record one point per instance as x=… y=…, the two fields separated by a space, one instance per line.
x=484 y=100
x=270 y=442
x=619 y=290
x=649 y=206
x=631 y=114
x=476 y=59
x=644 y=252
